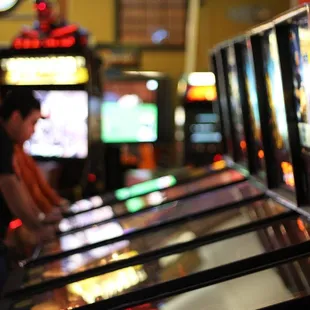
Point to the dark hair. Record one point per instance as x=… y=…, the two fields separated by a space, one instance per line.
x=21 y=100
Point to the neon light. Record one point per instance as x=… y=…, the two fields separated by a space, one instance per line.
x=145 y=187
x=15 y=224
x=34 y=43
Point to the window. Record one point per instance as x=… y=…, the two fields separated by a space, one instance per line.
x=151 y=22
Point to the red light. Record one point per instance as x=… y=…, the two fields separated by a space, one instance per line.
x=92 y=178
x=41 y=6
x=15 y=224
x=217 y=157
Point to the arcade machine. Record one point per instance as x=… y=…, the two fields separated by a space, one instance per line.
x=92 y=290
x=201 y=129
x=125 y=267
x=135 y=115
x=54 y=59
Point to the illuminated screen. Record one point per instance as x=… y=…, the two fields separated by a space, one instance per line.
x=129 y=112
x=234 y=93
x=64 y=131
x=251 y=92
x=300 y=43
x=277 y=107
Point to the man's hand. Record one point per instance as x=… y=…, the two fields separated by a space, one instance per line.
x=47 y=233
x=53 y=217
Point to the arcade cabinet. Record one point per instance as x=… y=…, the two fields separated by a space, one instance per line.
x=136 y=116
x=55 y=60
x=201 y=130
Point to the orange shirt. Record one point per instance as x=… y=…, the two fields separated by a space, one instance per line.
x=41 y=192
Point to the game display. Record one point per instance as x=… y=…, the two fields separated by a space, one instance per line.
x=63 y=133
x=135 y=102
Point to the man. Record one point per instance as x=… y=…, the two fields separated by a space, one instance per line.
x=19 y=113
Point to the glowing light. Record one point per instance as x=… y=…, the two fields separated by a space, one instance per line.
x=201 y=79
x=243 y=145
x=261 y=154
x=50 y=70
x=15 y=224
x=41 y=6
x=201 y=93
x=217 y=157
x=288 y=176
x=152 y=85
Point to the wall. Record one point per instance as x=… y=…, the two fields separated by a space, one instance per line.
x=100 y=21
x=215 y=26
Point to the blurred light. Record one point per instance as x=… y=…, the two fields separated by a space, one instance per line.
x=243 y=145
x=15 y=224
x=261 y=154
x=201 y=93
x=159 y=36
x=201 y=79
x=91 y=178
x=41 y=6
x=217 y=157
x=152 y=85
x=179 y=116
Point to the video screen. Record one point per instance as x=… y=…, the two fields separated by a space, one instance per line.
x=236 y=111
x=277 y=108
x=251 y=92
x=63 y=133
x=129 y=113
x=300 y=43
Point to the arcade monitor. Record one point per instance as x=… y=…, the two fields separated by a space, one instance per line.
x=129 y=111
x=63 y=132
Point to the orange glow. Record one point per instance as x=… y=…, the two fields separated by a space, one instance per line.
x=301 y=225
x=243 y=145
x=261 y=154
x=201 y=93
x=288 y=175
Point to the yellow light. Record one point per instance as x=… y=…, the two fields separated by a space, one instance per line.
x=199 y=93
x=50 y=70
x=219 y=165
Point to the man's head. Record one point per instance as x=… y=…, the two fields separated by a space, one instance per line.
x=19 y=113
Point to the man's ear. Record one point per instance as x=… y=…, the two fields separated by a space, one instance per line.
x=16 y=115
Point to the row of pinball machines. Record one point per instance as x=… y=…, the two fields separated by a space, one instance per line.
x=209 y=239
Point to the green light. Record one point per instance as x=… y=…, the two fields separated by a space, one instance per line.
x=134 y=205
x=145 y=187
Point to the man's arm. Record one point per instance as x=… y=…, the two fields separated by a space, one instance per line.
x=19 y=201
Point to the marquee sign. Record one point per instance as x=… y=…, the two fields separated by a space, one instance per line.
x=49 y=70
